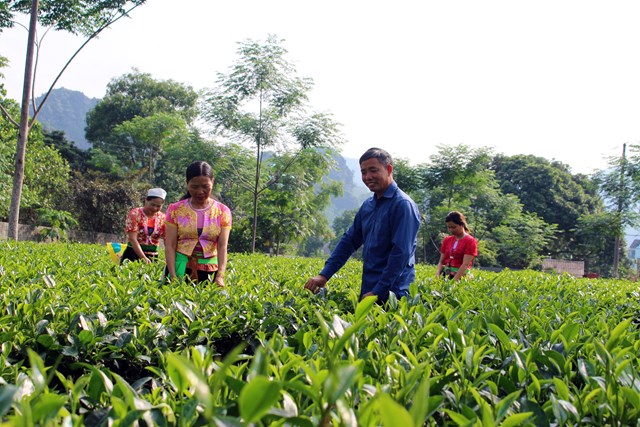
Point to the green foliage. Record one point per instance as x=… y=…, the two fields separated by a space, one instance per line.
x=288 y=208
x=460 y=178
x=101 y=203
x=56 y=224
x=100 y=161
x=521 y=242
x=340 y=226
x=261 y=102
x=138 y=115
x=76 y=159
x=148 y=136
x=620 y=186
x=261 y=74
x=75 y=17
x=595 y=237
x=46 y=173
x=456 y=172
x=549 y=190
x=3 y=63
x=88 y=342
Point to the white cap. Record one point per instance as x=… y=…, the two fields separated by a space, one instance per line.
x=157 y=192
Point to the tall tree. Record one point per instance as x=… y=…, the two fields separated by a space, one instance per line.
x=261 y=101
x=290 y=209
x=121 y=124
x=87 y=18
x=595 y=237
x=521 y=240
x=620 y=186
x=453 y=179
x=550 y=190
x=148 y=137
x=460 y=178
x=456 y=172
x=46 y=173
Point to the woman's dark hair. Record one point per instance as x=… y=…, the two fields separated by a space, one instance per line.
x=196 y=169
x=377 y=153
x=199 y=168
x=457 y=218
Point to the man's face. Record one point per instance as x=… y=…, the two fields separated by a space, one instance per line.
x=376 y=176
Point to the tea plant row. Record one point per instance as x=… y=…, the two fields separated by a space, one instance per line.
x=86 y=342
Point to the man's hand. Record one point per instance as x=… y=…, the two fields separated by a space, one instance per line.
x=368 y=294
x=315 y=283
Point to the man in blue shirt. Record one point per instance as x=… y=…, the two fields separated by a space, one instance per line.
x=386 y=226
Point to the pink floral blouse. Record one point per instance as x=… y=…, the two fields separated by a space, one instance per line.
x=182 y=216
x=137 y=221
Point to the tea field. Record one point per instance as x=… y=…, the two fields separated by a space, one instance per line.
x=87 y=343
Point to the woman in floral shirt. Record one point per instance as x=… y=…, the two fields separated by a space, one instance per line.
x=198 y=228
x=145 y=227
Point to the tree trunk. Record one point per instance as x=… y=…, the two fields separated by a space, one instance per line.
x=621 y=193
x=23 y=132
x=254 y=226
x=151 y=167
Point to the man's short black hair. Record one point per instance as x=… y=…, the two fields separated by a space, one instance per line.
x=377 y=153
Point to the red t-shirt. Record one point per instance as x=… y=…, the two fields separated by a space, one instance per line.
x=468 y=245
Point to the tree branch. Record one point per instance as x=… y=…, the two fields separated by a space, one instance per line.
x=244 y=183
x=38 y=43
x=8 y=116
x=276 y=179
x=91 y=37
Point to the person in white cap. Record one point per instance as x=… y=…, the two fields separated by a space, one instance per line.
x=145 y=227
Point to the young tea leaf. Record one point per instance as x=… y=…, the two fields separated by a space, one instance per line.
x=257 y=397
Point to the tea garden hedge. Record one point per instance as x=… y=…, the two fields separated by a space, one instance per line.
x=86 y=342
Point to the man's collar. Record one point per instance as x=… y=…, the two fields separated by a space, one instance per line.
x=389 y=192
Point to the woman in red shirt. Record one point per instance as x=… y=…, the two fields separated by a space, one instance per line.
x=145 y=227
x=458 y=250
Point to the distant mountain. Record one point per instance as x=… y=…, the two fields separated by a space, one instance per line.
x=66 y=110
x=354 y=165
x=353 y=194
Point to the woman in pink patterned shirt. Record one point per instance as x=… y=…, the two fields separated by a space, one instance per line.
x=198 y=228
x=145 y=227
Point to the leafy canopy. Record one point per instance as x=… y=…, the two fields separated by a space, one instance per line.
x=74 y=16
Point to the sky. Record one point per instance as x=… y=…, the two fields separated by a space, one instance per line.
x=557 y=79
